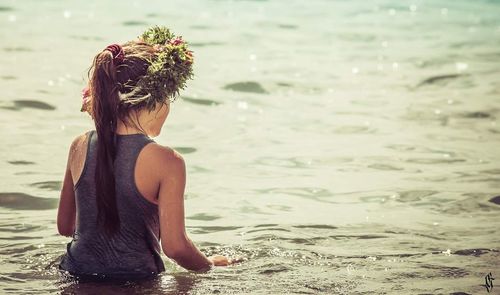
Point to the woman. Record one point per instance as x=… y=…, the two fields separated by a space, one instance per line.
x=123 y=192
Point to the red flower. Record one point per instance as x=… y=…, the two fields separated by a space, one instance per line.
x=85 y=92
x=176 y=41
x=85 y=100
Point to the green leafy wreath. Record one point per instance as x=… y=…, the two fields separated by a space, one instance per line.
x=172 y=66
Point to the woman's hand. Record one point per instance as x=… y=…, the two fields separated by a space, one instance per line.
x=219 y=260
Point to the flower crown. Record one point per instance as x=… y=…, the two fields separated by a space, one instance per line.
x=166 y=75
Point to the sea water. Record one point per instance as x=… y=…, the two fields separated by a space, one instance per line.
x=340 y=146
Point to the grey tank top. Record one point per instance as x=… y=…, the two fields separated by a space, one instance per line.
x=134 y=251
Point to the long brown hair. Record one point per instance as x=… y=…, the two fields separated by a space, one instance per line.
x=107 y=80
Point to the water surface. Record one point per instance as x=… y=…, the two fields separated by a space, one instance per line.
x=341 y=146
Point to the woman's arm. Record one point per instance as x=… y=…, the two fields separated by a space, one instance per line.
x=66 y=212
x=174 y=240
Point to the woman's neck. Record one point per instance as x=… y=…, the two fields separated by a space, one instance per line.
x=123 y=129
x=144 y=121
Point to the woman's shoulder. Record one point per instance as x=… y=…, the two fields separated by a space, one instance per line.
x=79 y=142
x=76 y=156
x=163 y=153
x=81 y=137
x=159 y=159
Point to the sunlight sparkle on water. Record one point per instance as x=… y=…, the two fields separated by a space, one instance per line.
x=461 y=66
x=242 y=105
x=67 y=14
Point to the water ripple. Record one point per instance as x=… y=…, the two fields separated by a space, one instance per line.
x=22 y=201
x=247 y=86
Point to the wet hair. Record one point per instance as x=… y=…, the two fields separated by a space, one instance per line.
x=107 y=82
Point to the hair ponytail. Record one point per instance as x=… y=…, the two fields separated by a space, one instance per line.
x=104 y=92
